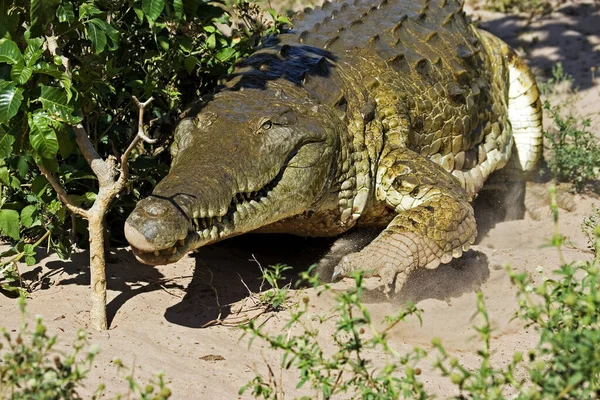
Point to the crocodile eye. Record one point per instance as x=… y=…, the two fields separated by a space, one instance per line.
x=266 y=125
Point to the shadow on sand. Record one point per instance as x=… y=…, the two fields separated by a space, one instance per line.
x=563 y=39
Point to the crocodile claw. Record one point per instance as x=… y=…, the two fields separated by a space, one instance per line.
x=335 y=276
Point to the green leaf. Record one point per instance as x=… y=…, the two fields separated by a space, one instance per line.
x=4 y=176
x=48 y=69
x=30 y=260
x=66 y=142
x=97 y=36
x=20 y=73
x=31 y=55
x=9 y=52
x=163 y=42
x=225 y=54
x=22 y=166
x=29 y=215
x=6 y=141
x=190 y=64
x=185 y=44
x=109 y=31
x=10 y=100
x=15 y=183
x=9 y=223
x=191 y=8
x=41 y=12
x=211 y=42
x=39 y=184
x=179 y=10
x=42 y=136
x=65 y=13
x=56 y=101
x=153 y=8
x=52 y=70
x=140 y=13
x=88 y=10
x=84 y=199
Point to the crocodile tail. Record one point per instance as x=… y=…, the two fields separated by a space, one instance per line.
x=524 y=111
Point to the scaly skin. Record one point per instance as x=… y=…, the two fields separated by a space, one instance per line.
x=388 y=114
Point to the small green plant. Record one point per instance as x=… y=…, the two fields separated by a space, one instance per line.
x=531 y=6
x=575 y=151
x=559 y=79
x=591 y=227
x=155 y=390
x=349 y=372
x=32 y=369
x=275 y=298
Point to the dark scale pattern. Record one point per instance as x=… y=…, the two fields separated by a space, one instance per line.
x=435 y=53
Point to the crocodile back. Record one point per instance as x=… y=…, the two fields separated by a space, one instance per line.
x=451 y=81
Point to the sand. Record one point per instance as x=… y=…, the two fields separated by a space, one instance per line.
x=158 y=314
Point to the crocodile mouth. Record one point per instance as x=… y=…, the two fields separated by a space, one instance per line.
x=211 y=229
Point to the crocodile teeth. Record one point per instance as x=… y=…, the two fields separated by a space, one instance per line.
x=181 y=242
x=156 y=253
x=219 y=218
x=214 y=232
x=241 y=210
x=173 y=250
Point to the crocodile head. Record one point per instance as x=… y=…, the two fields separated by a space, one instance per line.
x=246 y=160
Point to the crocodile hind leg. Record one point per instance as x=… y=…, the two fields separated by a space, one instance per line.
x=435 y=220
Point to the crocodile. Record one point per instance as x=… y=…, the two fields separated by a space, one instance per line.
x=387 y=114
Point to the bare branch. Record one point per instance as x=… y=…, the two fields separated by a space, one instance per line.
x=103 y=171
x=140 y=132
x=139 y=136
x=62 y=194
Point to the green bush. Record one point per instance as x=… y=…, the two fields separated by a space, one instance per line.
x=575 y=151
x=82 y=61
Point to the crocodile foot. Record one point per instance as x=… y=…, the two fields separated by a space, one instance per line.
x=394 y=255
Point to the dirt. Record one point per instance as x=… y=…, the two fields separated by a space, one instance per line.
x=163 y=318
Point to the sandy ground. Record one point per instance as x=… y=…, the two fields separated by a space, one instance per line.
x=157 y=314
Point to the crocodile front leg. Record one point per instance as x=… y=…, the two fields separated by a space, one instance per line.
x=435 y=220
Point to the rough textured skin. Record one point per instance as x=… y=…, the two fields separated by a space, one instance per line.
x=386 y=113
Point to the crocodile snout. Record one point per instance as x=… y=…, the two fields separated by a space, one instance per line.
x=156 y=224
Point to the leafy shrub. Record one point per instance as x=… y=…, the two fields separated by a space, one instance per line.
x=575 y=151
x=31 y=369
x=81 y=62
